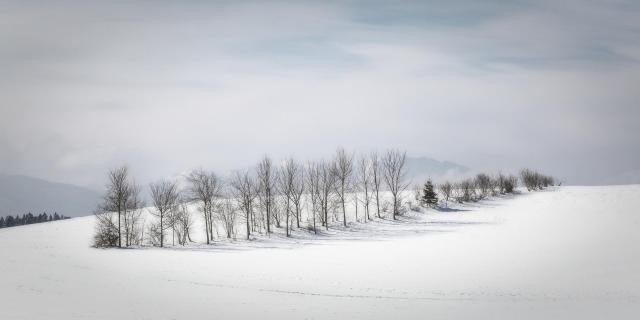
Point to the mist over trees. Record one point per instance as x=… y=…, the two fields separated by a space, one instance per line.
x=287 y=195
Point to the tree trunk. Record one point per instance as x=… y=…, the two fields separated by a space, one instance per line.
x=248 y=224
x=119 y=235
x=313 y=213
x=287 y=218
x=395 y=206
x=366 y=204
x=268 y=217
x=344 y=209
x=126 y=229
x=378 y=203
x=326 y=218
x=161 y=232
x=206 y=224
x=211 y=223
x=344 y=214
x=356 y=208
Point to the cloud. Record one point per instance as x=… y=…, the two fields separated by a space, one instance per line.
x=167 y=86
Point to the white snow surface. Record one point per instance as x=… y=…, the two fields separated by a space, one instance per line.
x=564 y=253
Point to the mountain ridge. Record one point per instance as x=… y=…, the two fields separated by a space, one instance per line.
x=21 y=194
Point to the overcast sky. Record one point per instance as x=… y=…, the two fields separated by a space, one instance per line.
x=166 y=86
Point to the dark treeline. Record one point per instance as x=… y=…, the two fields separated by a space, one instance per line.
x=29 y=218
x=289 y=195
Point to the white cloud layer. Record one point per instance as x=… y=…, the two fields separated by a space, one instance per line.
x=166 y=86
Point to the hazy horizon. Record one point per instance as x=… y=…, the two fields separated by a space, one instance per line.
x=169 y=86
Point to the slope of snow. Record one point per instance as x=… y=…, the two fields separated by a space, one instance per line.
x=559 y=254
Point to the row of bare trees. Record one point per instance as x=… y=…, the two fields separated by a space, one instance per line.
x=119 y=216
x=274 y=195
x=477 y=188
x=483 y=185
x=534 y=180
x=277 y=194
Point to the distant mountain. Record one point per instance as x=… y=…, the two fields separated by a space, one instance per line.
x=422 y=168
x=21 y=194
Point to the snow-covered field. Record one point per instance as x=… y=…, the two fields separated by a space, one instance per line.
x=567 y=253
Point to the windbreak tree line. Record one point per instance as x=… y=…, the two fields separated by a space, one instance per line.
x=288 y=195
x=29 y=218
x=479 y=187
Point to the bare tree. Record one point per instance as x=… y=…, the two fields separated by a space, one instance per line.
x=115 y=200
x=529 y=179
x=326 y=183
x=534 y=180
x=547 y=181
x=494 y=185
x=164 y=197
x=183 y=223
x=377 y=177
x=313 y=188
x=205 y=188
x=285 y=185
x=355 y=192
x=343 y=170
x=132 y=213
x=278 y=210
x=394 y=176
x=446 y=189
x=106 y=233
x=123 y=198
x=483 y=182
x=172 y=221
x=228 y=215
x=365 y=180
x=465 y=190
x=297 y=190
x=501 y=182
x=510 y=184
x=266 y=186
x=244 y=191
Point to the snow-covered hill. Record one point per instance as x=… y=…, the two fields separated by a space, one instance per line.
x=570 y=253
